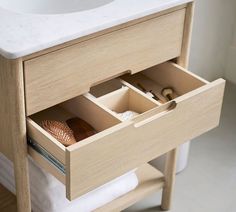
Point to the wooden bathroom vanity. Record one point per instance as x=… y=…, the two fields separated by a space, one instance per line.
x=93 y=76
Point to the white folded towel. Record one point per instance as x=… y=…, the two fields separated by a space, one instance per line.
x=48 y=194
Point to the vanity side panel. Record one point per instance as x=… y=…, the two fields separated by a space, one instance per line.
x=10 y=94
x=69 y=72
x=13 y=141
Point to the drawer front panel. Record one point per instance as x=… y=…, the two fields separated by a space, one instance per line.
x=66 y=73
x=126 y=146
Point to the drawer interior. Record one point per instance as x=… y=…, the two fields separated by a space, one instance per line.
x=101 y=110
x=166 y=75
x=105 y=104
x=120 y=140
x=81 y=107
x=125 y=99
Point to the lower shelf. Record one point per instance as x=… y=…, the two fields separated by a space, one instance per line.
x=150 y=180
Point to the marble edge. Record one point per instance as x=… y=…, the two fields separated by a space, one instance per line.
x=10 y=54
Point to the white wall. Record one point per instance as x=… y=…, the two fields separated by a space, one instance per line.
x=212 y=37
x=230 y=72
x=234 y=40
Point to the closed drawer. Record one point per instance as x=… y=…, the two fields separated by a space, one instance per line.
x=120 y=146
x=63 y=74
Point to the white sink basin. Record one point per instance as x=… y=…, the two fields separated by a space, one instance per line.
x=51 y=6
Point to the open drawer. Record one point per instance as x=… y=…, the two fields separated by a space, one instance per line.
x=120 y=145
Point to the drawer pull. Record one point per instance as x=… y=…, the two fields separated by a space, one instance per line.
x=167 y=108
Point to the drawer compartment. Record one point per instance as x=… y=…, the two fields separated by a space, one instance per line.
x=50 y=80
x=125 y=100
x=122 y=145
x=80 y=107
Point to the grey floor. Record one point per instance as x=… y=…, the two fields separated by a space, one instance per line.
x=208 y=184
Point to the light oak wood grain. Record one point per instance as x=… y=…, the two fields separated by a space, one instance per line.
x=172 y=75
x=169 y=173
x=85 y=108
x=82 y=107
x=127 y=99
x=147 y=83
x=13 y=126
x=7 y=106
x=126 y=145
x=69 y=72
x=129 y=144
x=166 y=75
x=65 y=71
x=183 y=60
x=45 y=140
x=102 y=32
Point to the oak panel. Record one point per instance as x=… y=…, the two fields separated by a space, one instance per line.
x=66 y=73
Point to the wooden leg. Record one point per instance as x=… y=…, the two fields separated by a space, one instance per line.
x=18 y=137
x=170 y=166
x=22 y=180
x=170 y=169
x=13 y=126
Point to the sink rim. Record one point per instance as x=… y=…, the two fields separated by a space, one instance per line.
x=40 y=7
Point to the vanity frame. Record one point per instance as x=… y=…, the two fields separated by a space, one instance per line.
x=19 y=100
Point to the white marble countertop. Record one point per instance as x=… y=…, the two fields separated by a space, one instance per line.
x=23 y=34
